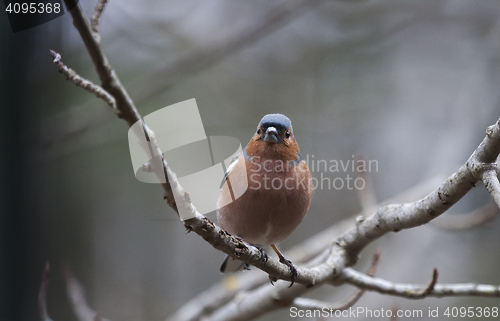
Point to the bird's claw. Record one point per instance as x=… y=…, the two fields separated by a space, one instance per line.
x=293 y=272
x=293 y=269
x=263 y=254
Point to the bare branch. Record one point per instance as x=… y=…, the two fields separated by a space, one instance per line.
x=477 y=217
x=94 y=20
x=79 y=81
x=395 y=217
x=413 y=291
x=110 y=81
x=490 y=181
x=223 y=292
x=42 y=295
x=311 y=304
x=428 y=289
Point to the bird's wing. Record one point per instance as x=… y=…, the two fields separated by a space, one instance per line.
x=228 y=170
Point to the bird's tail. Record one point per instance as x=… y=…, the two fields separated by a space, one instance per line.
x=231 y=265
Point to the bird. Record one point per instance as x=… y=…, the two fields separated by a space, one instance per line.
x=278 y=194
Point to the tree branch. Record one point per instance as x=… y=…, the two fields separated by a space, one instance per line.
x=413 y=291
x=94 y=20
x=109 y=79
x=79 y=81
x=490 y=181
x=223 y=292
x=395 y=217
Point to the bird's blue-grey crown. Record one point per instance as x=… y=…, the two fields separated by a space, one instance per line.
x=279 y=121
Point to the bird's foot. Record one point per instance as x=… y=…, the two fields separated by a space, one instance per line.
x=263 y=254
x=246 y=266
x=293 y=269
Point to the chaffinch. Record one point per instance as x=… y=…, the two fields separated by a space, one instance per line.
x=279 y=190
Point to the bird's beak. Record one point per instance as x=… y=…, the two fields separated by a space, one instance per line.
x=271 y=135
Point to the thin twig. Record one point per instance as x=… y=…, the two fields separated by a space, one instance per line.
x=94 y=20
x=79 y=81
x=415 y=291
x=110 y=80
x=428 y=289
x=492 y=185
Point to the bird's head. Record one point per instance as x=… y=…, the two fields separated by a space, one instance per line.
x=274 y=139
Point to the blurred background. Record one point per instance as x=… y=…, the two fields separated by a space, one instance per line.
x=410 y=84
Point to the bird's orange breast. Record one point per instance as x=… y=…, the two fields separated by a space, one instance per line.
x=275 y=203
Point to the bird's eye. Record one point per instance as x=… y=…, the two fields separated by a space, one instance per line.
x=258 y=131
x=288 y=134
